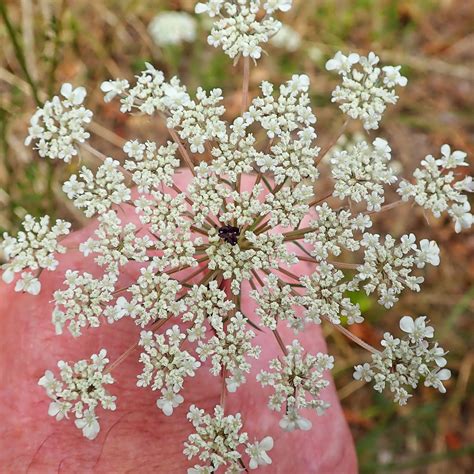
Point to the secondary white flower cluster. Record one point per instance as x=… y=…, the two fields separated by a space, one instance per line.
x=151 y=166
x=60 y=124
x=404 y=362
x=197 y=242
x=239 y=29
x=361 y=172
x=97 y=194
x=293 y=378
x=324 y=296
x=82 y=302
x=437 y=189
x=217 y=441
x=166 y=365
x=275 y=303
x=229 y=349
x=388 y=266
x=334 y=231
x=80 y=390
x=366 y=89
x=172 y=28
x=33 y=249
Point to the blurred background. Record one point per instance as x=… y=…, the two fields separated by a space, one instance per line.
x=47 y=42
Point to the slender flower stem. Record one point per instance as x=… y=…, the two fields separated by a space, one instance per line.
x=102 y=157
x=317 y=200
x=353 y=337
x=289 y=274
x=388 y=207
x=184 y=153
x=245 y=84
x=297 y=234
x=223 y=390
x=280 y=341
x=348 y=266
x=333 y=141
x=154 y=327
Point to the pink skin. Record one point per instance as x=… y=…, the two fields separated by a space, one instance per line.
x=138 y=437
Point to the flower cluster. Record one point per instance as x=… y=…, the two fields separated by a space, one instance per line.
x=217 y=440
x=229 y=349
x=437 y=189
x=404 y=362
x=97 y=194
x=33 y=249
x=80 y=390
x=238 y=29
x=250 y=210
x=165 y=366
x=361 y=172
x=293 y=378
x=388 y=266
x=172 y=28
x=59 y=125
x=324 y=296
x=366 y=89
x=334 y=231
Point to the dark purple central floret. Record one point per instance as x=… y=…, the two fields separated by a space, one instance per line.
x=229 y=234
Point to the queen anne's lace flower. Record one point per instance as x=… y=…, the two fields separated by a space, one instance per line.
x=217 y=440
x=324 y=296
x=82 y=302
x=34 y=248
x=172 y=28
x=388 y=266
x=59 y=124
x=239 y=29
x=240 y=222
x=276 y=302
x=366 y=89
x=293 y=378
x=437 y=189
x=361 y=172
x=166 y=365
x=228 y=350
x=97 y=194
x=334 y=231
x=404 y=362
x=80 y=390
x=151 y=166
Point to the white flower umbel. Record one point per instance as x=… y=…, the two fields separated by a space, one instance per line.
x=80 y=390
x=276 y=302
x=361 y=172
x=324 y=296
x=293 y=378
x=405 y=362
x=241 y=27
x=366 y=89
x=194 y=244
x=59 y=125
x=388 y=266
x=172 y=28
x=166 y=365
x=229 y=349
x=217 y=440
x=82 y=303
x=33 y=249
x=97 y=194
x=334 y=231
x=436 y=187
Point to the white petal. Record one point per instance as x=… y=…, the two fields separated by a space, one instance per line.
x=407 y=324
